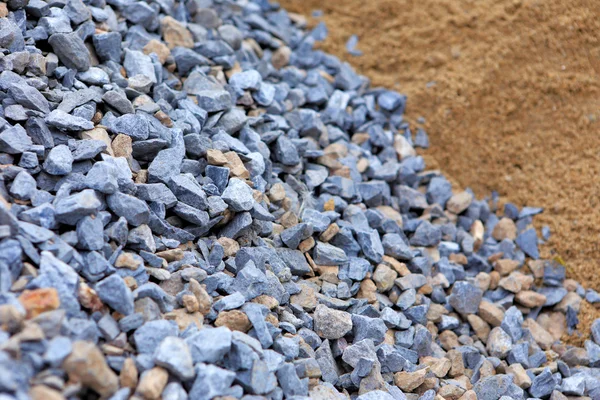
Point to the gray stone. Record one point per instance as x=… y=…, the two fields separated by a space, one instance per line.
x=23 y=187
x=71 y=50
x=368 y=328
x=209 y=344
x=150 y=335
x=107 y=46
x=210 y=382
x=327 y=254
x=68 y=122
x=238 y=195
x=59 y=161
x=330 y=323
x=135 y=211
x=28 y=97
x=14 y=140
x=465 y=297
x=189 y=191
x=174 y=355
x=543 y=384
x=114 y=292
x=74 y=207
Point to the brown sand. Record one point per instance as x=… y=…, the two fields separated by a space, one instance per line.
x=515 y=102
x=513 y=106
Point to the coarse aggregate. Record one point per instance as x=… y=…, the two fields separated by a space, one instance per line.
x=196 y=204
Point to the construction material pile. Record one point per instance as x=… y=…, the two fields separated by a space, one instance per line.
x=195 y=204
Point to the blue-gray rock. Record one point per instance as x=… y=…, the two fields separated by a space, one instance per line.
x=209 y=344
x=107 y=46
x=135 y=211
x=527 y=241
x=368 y=328
x=62 y=120
x=543 y=384
x=114 y=292
x=174 y=355
x=14 y=140
x=238 y=195
x=327 y=254
x=465 y=297
x=71 y=50
x=211 y=381
x=23 y=187
x=28 y=97
x=189 y=191
x=395 y=246
x=426 y=235
x=148 y=337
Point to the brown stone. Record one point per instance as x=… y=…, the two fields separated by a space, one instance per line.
x=477 y=231
x=468 y=395
x=267 y=301
x=480 y=327
x=127 y=260
x=491 y=313
x=458 y=258
x=554 y=322
x=505 y=229
x=129 y=374
x=216 y=157
x=171 y=254
x=190 y=302
x=448 y=340
x=86 y=364
x=458 y=366
x=281 y=57
x=391 y=213
x=41 y=392
x=306 y=244
x=236 y=166
x=3 y=10
x=510 y=283
x=409 y=381
x=540 y=335
x=204 y=299
x=439 y=366
x=98 y=133
x=367 y=291
x=307 y=298
x=230 y=246
x=531 y=299
x=506 y=266
x=234 y=320
x=277 y=192
x=159 y=48
x=398 y=266
x=384 y=277
x=459 y=202
x=183 y=319
x=288 y=219
x=572 y=300
x=329 y=233
x=494 y=279
x=152 y=383
x=38 y=301
x=175 y=34
x=403 y=148
x=11 y=319
x=451 y=391
x=521 y=379
x=122 y=146
x=435 y=312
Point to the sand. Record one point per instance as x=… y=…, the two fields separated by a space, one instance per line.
x=509 y=90
x=510 y=93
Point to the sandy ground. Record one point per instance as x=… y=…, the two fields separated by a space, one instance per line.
x=509 y=90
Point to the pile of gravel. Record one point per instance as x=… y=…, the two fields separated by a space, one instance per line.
x=195 y=204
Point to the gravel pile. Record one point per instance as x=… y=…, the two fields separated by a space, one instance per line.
x=195 y=204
